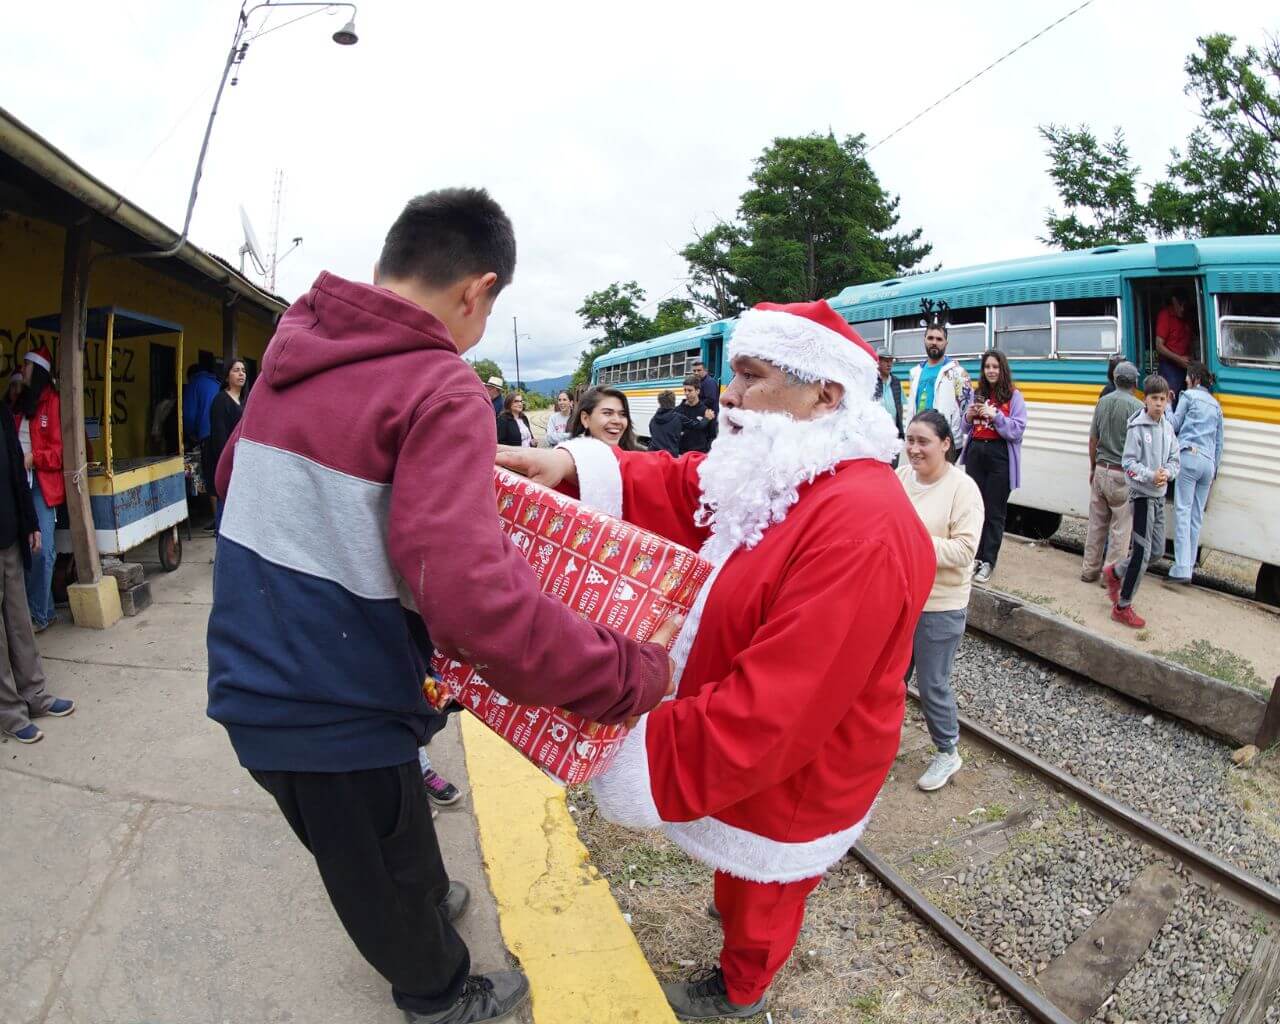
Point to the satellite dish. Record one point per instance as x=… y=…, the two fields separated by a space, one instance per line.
x=251 y=246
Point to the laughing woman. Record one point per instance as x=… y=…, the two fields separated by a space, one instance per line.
x=993 y=454
x=603 y=413
x=950 y=506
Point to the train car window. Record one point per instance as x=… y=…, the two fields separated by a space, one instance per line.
x=1024 y=331
x=1087 y=327
x=1249 y=328
x=872 y=332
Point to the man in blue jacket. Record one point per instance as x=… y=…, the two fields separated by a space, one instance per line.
x=197 y=401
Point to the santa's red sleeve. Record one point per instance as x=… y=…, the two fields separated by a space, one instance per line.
x=650 y=490
x=824 y=637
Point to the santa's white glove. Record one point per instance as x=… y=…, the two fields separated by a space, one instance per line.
x=623 y=793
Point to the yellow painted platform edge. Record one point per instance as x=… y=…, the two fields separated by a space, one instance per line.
x=557 y=914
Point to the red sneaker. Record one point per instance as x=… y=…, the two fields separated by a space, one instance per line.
x=1113 y=583
x=1128 y=616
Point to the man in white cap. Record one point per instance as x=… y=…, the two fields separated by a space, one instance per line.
x=790 y=702
x=494 y=386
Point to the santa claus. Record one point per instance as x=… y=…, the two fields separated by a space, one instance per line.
x=790 y=699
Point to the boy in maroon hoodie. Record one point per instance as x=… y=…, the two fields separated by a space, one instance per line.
x=359 y=496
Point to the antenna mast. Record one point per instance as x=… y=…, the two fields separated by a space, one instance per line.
x=276 y=202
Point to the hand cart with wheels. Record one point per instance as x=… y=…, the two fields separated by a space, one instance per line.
x=137 y=496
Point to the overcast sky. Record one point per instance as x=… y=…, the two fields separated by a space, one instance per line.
x=608 y=131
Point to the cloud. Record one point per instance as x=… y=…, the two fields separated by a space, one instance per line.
x=607 y=131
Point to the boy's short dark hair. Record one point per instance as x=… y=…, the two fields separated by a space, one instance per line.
x=666 y=399
x=1155 y=385
x=449 y=234
x=692 y=382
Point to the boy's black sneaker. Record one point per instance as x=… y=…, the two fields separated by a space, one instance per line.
x=485 y=997
x=455 y=901
x=704 y=997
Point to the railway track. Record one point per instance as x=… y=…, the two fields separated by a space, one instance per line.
x=1251 y=1001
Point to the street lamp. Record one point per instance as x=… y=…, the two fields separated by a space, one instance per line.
x=345 y=36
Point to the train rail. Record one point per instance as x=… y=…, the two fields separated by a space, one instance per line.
x=1203 y=865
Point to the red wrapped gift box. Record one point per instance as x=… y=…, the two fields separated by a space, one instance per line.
x=604 y=569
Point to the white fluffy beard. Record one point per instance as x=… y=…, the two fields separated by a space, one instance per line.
x=752 y=476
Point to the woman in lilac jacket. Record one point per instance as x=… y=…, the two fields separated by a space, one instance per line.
x=994 y=423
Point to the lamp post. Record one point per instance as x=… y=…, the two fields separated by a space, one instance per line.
x=345 y=36
x=75 y=294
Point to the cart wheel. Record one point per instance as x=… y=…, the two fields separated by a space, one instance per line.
x=170 y=550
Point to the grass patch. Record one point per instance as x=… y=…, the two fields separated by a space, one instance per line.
x=1257 y=790
x=1144 y=635
x=1033 y=598
x=995 y=812
x=1210 y=660
x=942 y=857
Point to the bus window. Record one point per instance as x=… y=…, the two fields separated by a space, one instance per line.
x=872 y=332
x=967 y=331
x=907 y=340
x=1249 y=328
x=1024 y=331
x=1087 y=327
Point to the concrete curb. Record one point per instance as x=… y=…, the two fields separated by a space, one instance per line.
x=1209 y=703
x=557 y=914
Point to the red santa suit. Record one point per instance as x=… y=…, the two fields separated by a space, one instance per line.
x=790 y=700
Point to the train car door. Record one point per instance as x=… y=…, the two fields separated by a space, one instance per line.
x=1147 y=297
x=714 y=353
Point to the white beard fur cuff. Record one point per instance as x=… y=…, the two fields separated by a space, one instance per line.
x=599 y=478
x=623 y=793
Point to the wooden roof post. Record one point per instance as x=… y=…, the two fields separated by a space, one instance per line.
x=75 y=301
x=230 y=331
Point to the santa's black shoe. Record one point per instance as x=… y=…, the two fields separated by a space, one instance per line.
x=713 y=912
x=704 y=997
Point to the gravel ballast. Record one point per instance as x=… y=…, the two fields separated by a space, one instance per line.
x=1160 y=767
x=1191 y=971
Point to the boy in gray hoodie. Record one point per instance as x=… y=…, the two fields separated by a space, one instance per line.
x=1150 y=463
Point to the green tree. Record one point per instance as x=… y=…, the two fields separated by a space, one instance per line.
x=714 y=285
x=486 y=368
x=674 y=315
x=815 y=220
x=614 y=312
x=1098 y=183
x=1226 y=183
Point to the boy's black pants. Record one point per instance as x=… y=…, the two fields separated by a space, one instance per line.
x=375 y=845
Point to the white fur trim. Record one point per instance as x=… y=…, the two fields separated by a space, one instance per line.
x=599 y=478
x=35 y=357
x=624 y=793
x=758 y=859
x=804 y=347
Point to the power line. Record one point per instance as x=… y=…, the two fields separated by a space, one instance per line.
x=974 y=78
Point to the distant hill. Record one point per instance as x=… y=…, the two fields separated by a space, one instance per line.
x=548 y=386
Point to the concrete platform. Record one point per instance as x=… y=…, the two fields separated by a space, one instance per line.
x=148 y=878
x=1037 y=601
x=1176 y=615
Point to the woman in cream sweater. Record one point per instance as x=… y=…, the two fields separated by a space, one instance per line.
x=949 y=504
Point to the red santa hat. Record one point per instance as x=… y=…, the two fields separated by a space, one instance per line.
x=41 y=357
x=808 y=339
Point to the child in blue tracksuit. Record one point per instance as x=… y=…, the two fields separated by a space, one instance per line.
x=1198 y=423
x=1150 y=463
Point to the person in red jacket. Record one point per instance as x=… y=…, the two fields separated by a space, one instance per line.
x=346 y=538
x=40 y=435
x=788 y=712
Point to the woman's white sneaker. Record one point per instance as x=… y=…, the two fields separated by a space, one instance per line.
x=940 y=770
